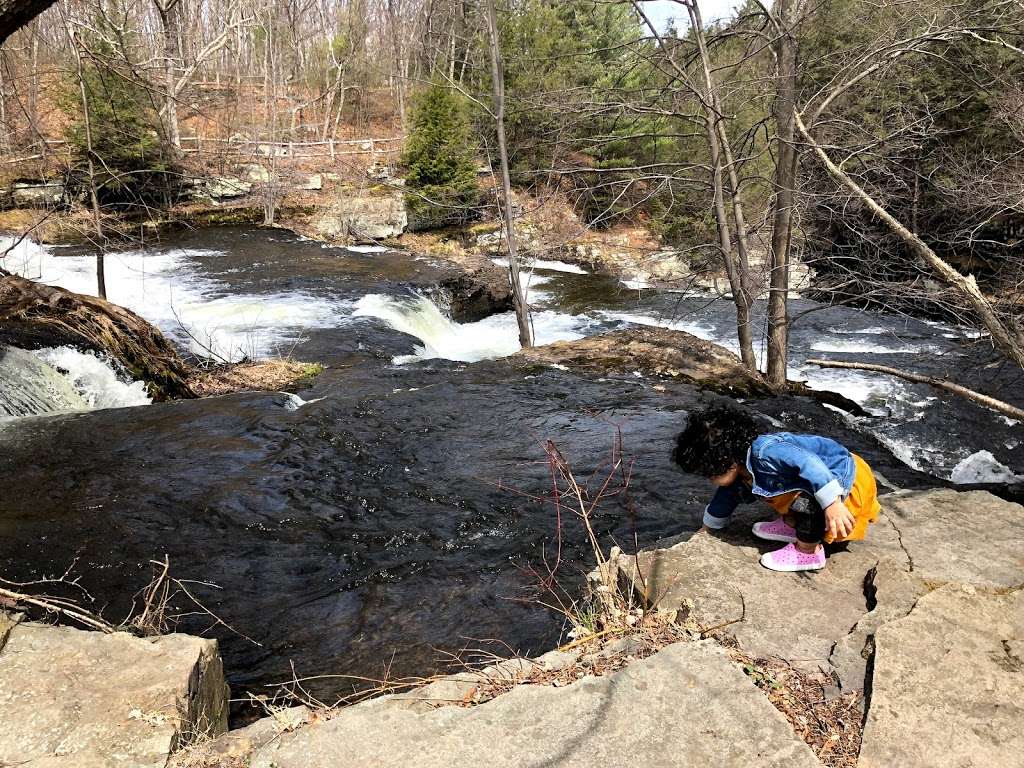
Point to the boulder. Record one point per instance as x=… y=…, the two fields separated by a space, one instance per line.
x=367 y=217
x=226 y=188
x=826 y=620
x=986 y=548
x=314 y=183
x=82 y=699
x=715 y=581
x=929 y=625
x=30 y=195
x=257 y=173
x=688 y=705
x=653 y=351
x=477 y=290
x=946 y=690
x=34 y=315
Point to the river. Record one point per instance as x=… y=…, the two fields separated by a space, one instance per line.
x=382 y=518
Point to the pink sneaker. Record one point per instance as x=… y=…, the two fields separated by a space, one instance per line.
x=790 y=559
x=776 y=530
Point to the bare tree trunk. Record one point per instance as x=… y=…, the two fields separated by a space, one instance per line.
x=989 y=402
x=270 y=97
x=497 y=76
x=737 y=265
x=398 y=77
x=15 y=14
x=101 y=278
x=785 y=193
x=170 y=13
x=1009 y=339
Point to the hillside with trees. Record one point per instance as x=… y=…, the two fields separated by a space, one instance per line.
x=792 y=131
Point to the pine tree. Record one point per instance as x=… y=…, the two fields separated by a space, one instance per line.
x=131 y=163
x=440 y=158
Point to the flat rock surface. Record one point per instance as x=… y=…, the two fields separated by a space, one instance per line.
x=717 y=581
x=80 y=699
x=947 y=684
x=971 y=537
x=688 y=705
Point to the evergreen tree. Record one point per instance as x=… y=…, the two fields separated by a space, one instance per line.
x=132 y=165
x=440 y=158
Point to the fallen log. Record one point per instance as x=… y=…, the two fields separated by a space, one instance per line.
x=34 y=315
x=989 y=402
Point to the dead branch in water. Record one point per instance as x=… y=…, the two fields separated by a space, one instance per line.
x=989 y=402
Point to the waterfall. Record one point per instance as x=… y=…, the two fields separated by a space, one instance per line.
x=31 y=387
x=62 y=379
x=441 y=337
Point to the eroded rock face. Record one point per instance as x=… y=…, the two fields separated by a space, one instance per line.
x=34 y=315
x=80 y=699
x=653 y=351
x=688 y=705
x=369 y=217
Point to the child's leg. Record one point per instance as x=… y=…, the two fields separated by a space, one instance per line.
x=809 y=522
x=806 y=553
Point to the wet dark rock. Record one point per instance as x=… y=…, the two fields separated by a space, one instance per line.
x=34 y=315
x=479 y=289
x=656 y=352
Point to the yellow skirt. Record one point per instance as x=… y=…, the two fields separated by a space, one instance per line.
x=862 y=501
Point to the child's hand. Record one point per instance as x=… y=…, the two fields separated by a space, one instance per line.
x=839 y=521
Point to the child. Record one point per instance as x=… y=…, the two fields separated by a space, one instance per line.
x=820 y=491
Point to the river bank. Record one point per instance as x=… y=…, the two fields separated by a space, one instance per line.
x=724 y=662
x=894 y=655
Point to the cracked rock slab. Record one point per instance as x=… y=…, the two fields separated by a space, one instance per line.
x=894 y=591
x=687 y=705
x=70 y=698
x=947 y=683
x=716 y=580
x=949 y=536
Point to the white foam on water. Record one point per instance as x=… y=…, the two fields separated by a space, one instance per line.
x=873 y=331
x=983 y=467
x=543 y=264
x=94 y=378
x=701 y=330
x=853 y=346
x=165 y=288
x=872 y=392
x=960 y=331
x=367 y=248
x=441 y=337
x=636 y=283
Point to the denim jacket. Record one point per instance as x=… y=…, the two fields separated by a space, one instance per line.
x=782 y=463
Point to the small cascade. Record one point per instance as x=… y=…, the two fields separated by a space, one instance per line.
x=62 y=379
x=441 y=337
x=31 y=387
x=166 y=288
x=96 y=379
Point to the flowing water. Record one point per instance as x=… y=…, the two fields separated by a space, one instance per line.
x=384 y=516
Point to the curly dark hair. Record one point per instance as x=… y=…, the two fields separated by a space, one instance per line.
x=714 y=439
